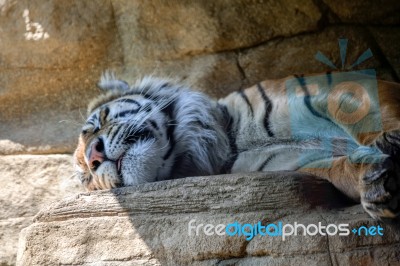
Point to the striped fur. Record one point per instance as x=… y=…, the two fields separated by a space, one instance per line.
x=157 y=130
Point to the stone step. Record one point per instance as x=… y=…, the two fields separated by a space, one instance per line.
x=149 y=224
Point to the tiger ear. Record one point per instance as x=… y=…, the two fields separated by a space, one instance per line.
x=108 y=82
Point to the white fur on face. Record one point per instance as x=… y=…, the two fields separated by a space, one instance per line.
x=141 y=160
x=186 y=127
x=143 y=163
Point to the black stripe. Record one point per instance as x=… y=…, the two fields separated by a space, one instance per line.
x=128 y=101
x=266 y=162
x=154 y=124
x=90 y=123
x=307 y=100
x=146 y=107
x=148 y=96
x=164 y=85
x=141 y=134
x=91 y=120
x=169 y=111
x=115 y=133
x=170 y=136
x=329 y=77
x=127 y=112
x=103 y=114
x=120 y=139
x=244 y=96
x=268 y=109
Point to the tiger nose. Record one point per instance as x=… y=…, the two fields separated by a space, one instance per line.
x=96 y=155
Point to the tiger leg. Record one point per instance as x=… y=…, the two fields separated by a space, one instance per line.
x=369 y=176
x=381 y=185
x=379 y=182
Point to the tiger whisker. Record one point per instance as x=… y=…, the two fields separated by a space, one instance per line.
x=82 y=116
x=70 y=121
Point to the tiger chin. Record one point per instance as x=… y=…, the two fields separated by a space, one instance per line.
x=158 y=129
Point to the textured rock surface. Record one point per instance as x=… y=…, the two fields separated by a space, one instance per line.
x=45 y=81
x=149 y=224
x=52 y=53
x=29 y=183
x=271 y=60
x=358 y=11
x=218 y=25
x=386 y=38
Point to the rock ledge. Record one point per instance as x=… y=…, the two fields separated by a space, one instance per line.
x=148 y=225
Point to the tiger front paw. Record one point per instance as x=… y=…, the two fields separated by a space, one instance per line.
x=380 y=191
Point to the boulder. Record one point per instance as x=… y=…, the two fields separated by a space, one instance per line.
x=149 y=224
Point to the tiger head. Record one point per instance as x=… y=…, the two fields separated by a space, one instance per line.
x=152 y=131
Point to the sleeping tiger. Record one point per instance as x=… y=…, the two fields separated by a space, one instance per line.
x=345 y=131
